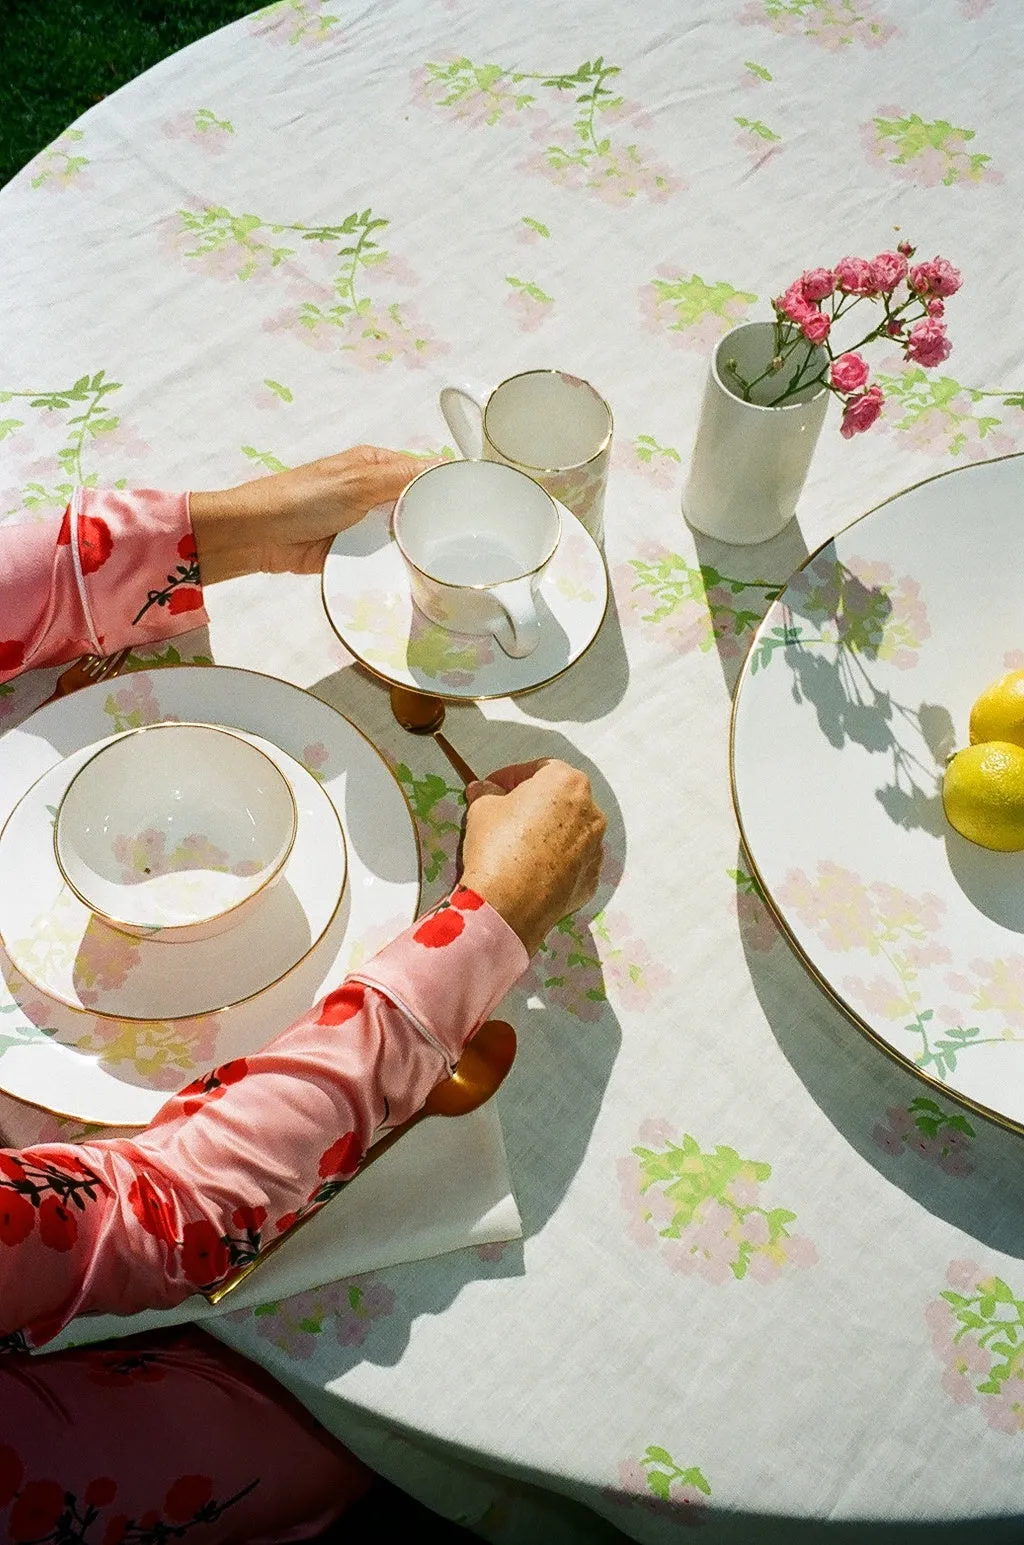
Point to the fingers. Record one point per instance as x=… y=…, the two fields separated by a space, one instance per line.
x=508 y=778
x=481 y=786
x=388 y=471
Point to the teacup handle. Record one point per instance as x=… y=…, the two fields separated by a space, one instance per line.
x=518 y=633
x=463 y=410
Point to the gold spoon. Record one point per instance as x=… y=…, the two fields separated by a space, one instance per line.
x=423 y=714
x=481 y=1071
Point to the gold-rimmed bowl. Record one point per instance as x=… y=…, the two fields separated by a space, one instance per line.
x=175 y=831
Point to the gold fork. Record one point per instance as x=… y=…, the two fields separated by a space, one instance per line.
x=86 y=671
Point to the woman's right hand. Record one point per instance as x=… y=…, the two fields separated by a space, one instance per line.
x=533 y=844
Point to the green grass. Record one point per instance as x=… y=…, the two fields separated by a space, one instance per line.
x=62 y=56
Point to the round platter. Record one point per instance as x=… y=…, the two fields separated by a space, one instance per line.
x=119 y=1071
x=857 y=687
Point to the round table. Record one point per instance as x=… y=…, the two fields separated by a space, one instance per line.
x=739 y=1298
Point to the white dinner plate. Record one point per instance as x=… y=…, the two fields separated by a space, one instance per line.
x=62 y=948
x=858 y=685
x=119 y=1071
x=369 y=604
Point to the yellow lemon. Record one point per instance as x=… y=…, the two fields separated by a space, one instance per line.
x=998 y=714
x=983 y=795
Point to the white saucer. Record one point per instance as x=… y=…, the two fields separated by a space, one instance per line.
x=368 y=602
x=62 y=948
x=120 y=1071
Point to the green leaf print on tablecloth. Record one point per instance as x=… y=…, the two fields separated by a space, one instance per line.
x=89 y=426
x=529 y=304
x=590 y=152
x=658 y=464
x=200 y=126
x=587 y=960
x=977 y=1331
x=833 y=24
x=757 y=139
x=658 y=1485
x=334 y=312
x=942 y=418
x=940 y=1136
x=692 y=606
x=302 y=22
x=438 y=808
x=703 y=1210
x=58 y=167
x=692 y=312
x=929 y=154
x=348 y=1310
x=902 y=932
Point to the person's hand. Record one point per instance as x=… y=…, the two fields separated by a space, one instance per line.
x=532 y=844
x=286 y=523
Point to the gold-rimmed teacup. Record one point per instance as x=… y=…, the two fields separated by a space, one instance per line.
x=175 y=830
x=553 y=426
x=476 y=538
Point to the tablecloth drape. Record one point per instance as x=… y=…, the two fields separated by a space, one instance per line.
x=767 y=1282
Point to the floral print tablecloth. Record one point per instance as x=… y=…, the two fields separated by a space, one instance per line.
x=771 y=1283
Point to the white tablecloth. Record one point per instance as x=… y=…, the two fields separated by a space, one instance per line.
x=787 y=1364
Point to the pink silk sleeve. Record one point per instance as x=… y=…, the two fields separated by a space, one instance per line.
x=119 y=569
x=237 y=1157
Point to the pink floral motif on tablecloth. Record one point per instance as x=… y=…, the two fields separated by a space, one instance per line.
x=930 y=154
x=202 y=127
x=691 y=312
x=703 y=1210
x=690 y=606
x=438 y=808
x=592 y=152
x=757 y=140
x=656 y=1484
x=348 y=1311
x=594 y=957
x=659 y=465
x=529 y=305
x=758 y=928
x=833 y=24
x=61 y=165
x=940 y=417
x=81 y=415
x=298 y=23
x=977 y=1332
x=939 y=1136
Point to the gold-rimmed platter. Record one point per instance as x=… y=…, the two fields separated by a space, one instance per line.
x=857 y=687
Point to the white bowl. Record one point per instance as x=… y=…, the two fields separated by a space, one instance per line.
x=172 y=830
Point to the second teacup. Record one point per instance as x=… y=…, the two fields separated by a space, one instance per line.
x=476 y=537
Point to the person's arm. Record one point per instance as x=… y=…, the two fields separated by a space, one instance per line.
x=233 y=1160
x=236 y=1158
x=128 y=568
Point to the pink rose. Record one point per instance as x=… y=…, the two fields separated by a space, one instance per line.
x=889 y=268
x=815 y=326
x=793 y=304
x=906 y=249
x=817 y=283
x=938 y=277
x=849 y=372
x=928 y=344
x=860 y=412
x=936 y=307
x=855 y=277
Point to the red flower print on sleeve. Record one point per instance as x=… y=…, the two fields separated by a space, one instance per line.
x=12 y=654
x=185 y=600
x=11 y=1167
x=95 y=544
x=211 y=1086
x=187 y=1497
x=286 y=1221
x=12 y=1472
x=57 y=1226
x=439 y=928
x=64 y=534
x=249 y=1218
x=342 y=1004
x=465 y=899
x=187 y=547
x=152 y=1210
x=342 y=1158
x=34 y=1515
x=101 y=1492
x=17 y=1217
x=204 y=1255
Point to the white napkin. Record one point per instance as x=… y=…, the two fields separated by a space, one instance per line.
x=443 y=1186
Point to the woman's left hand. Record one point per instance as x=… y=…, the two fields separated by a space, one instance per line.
x=286 y=523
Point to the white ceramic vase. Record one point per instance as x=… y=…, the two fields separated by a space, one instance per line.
x=750 y=459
